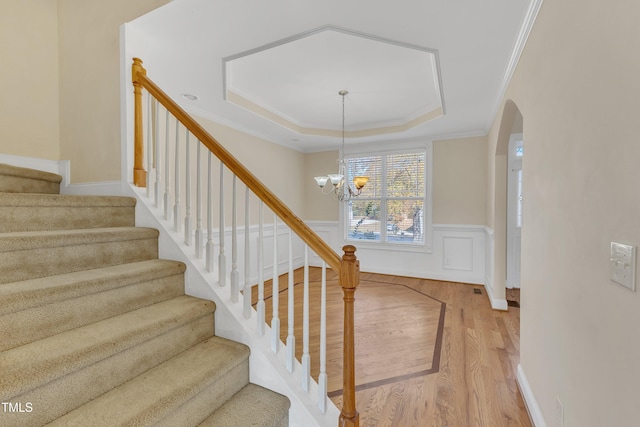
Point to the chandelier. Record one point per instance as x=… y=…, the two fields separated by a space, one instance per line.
x=339 y=188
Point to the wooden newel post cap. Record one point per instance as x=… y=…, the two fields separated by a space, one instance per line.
x=350 y=271
x=137 y=68
x=349 y=252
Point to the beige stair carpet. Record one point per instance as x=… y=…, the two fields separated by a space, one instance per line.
x=95 y=330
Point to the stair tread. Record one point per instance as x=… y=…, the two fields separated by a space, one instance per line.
x=25 y=240
x=63 y=200
x=31 y=293
x=251 y=406
x=108 y=321
x=40 y=362
x=161 y=390
x=43 y=307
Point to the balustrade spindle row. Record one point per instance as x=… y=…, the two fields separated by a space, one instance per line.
x=160 y=161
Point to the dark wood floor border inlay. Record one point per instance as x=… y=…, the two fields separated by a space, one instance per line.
x=435 y=362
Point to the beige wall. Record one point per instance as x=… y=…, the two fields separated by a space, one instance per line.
x=278 y=167
x=89 y=57
x=459 y=176
x=29 y=79
x=577 y=88
x=317 y=206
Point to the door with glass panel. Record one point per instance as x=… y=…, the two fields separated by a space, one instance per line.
x=514 y=210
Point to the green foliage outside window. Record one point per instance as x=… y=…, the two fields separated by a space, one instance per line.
x=391 y=206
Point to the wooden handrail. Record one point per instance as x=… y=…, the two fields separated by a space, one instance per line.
x=347 y=267
x=299 y=227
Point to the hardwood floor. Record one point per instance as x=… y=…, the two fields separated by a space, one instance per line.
x=428 y=353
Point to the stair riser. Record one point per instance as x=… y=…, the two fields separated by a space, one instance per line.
x=206 y=401
x=29 y=294
x=29 y=264
x=15 y=179
x=36 y=218
x=14 y=184
x=58 y=397
x=181 y=383
x=29 y=325
x=267 y=409
x=45 y=361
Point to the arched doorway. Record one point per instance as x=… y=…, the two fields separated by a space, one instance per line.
x=508 y=173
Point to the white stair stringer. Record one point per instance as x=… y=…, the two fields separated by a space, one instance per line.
x=266 y=368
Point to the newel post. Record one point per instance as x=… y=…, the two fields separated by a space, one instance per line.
x=139 y=174
x=349 y=280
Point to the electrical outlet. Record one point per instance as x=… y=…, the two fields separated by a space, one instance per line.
x=559 y=413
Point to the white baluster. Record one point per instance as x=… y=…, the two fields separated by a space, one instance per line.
x=222 y=258
x=188 y=227
x=176 y=204
x=291 y=338
x=235 y=276
x=322 y=377
x=210 y=245
x=156 y=137
x=167 y=169
x=246 y=293
x=260 y=306
x=149 y=144
x=199 y=232
x=306 y=358
x=275 y=292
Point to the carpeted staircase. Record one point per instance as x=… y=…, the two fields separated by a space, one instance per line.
x=95 y=330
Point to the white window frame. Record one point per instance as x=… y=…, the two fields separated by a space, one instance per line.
x=400 y=148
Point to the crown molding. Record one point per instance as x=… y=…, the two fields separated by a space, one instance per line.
x=521 y=41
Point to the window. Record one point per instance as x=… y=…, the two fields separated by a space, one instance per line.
x=392 y=206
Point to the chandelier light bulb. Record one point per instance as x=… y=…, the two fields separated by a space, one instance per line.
x=341 y=190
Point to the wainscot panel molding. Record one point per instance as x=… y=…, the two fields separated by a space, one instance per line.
x=458 y=253
x=496 y=303
x=488 y=266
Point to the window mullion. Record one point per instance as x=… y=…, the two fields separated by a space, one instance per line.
x=383 y=201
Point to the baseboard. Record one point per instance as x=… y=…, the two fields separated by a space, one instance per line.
x=442 y=276
x=60 y=167
x=496 y=303
x=106 y=188
x=529 y=399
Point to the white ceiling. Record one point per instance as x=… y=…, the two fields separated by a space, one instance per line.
x=274 y=68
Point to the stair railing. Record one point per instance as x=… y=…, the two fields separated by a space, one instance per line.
x=158 y=156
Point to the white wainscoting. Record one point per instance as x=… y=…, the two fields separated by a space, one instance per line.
x=458 y=253
x=489 y=285
x=461 y=253
x=268 y=259
x=488 y=250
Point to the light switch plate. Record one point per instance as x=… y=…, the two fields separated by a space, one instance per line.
x=622 y=265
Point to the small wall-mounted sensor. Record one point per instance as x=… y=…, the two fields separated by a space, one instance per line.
x=622 y=265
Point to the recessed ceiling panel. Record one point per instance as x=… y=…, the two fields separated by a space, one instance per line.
x=295 y=83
